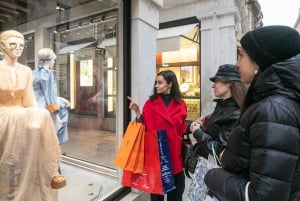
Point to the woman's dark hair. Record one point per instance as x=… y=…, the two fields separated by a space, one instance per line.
x=170 y=77
x=249 y=99
x=238 y=92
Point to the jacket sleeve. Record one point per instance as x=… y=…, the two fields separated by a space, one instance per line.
x=224 y=185
x=49 y=88
x=185 y=125
x=264 y=150
x=206 y=141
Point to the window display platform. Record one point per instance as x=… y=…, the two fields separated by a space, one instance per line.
x=84 y=185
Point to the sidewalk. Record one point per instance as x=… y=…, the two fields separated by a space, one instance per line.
x=83 y=185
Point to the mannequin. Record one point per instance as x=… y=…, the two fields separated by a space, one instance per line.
x=45 y=89
x=29 y=149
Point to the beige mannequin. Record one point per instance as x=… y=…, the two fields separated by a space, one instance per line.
x=29 y=149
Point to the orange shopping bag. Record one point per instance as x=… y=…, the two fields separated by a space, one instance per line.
x=135 y=161
x=129 y=139
x=150 y=180
x=140 y=160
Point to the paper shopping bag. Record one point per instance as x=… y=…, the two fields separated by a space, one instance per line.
x=198 y=190
x=139 y=163
x=165 y=162
x=128 y=141
x=135 y=161
x=150 y=179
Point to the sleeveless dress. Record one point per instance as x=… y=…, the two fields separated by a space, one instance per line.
x=29 y=148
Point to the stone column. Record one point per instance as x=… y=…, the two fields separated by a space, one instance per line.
x=218 y=46
x=145 y=23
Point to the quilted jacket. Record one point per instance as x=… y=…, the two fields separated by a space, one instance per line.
x=217 y=126
x=263 y=149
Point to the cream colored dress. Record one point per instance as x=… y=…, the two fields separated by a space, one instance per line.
x=29 y=149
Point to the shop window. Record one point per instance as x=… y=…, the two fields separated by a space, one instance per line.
x=87 y=48
x=27 y=57
x=189 y=82
x=179 y=50
x=111 y=77
x=87 y=76
x=83 y=35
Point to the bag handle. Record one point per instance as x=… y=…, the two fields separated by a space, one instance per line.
x=216 y=158
x=187 y=137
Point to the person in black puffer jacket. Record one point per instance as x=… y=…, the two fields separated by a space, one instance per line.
x=215 y=127
x=261 y=161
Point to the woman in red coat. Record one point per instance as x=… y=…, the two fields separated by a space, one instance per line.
x=165 y=110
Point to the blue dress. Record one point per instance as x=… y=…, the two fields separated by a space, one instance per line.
x=62 y=132
x=45 y=89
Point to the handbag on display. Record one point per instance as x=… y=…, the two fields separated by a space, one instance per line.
x=198 y=190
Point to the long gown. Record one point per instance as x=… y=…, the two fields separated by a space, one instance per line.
x=29 y=149
x=45 y=89
x=62 y=133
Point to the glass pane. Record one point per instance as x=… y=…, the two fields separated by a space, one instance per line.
x=184 y=60
x=83 y=35
x=86 y=68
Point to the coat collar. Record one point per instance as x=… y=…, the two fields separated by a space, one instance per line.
x=167 y=113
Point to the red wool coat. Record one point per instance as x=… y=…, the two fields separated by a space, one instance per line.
x=156 y=116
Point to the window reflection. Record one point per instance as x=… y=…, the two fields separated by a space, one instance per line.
x=86 y=71
x=83 y=36
x=184 y=60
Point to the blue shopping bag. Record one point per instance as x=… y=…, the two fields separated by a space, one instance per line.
x=165 y=162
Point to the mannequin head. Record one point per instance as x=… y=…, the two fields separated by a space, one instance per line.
x=46 y=57
x=12 y=43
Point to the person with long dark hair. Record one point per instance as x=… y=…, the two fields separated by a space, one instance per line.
x=261 y=161
x=166 y=110
x=214 y=129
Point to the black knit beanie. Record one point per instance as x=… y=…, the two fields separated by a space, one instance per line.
x=271 y=44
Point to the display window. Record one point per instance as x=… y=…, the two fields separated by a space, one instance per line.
x=86 y=72
x=84 y=37
x=184 y=60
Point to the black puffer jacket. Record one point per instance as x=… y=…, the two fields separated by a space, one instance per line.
x=217 y=126
x=264 y=148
